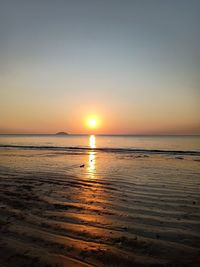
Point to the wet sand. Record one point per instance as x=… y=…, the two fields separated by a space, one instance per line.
x=118 y=210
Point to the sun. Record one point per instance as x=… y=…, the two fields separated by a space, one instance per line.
x=92 y=123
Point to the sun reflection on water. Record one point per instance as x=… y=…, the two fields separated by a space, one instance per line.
x=92 y=141
x=92 y=157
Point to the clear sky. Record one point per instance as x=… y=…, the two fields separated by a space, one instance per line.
x=134 y=64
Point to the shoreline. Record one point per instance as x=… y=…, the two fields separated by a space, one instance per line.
x=116 y=211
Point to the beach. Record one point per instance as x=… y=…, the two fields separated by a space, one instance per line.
x=90 y=207
x=99 y=133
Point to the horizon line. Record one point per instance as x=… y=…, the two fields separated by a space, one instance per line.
x=105 y=134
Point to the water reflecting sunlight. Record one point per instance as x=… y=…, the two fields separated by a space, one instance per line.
x=92 y=157
x=92 y=141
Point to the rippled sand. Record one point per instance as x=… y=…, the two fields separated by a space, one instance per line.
x=115 y=210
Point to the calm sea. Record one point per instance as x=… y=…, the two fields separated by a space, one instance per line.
x=103 y=142
x=113 y=196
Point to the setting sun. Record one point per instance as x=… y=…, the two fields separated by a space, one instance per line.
x=99 y=133
x=92 y=123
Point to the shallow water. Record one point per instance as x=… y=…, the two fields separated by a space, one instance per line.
x=118 y=209
x=183 y=143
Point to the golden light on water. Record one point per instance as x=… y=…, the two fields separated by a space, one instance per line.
x=92 y=157
x=92 y=141
x=92 y=161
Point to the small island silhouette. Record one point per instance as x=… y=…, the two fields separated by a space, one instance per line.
x=61 y=133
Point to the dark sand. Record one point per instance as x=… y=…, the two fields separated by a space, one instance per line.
x=123 y=218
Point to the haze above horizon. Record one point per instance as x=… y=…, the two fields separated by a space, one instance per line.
x=100 y=67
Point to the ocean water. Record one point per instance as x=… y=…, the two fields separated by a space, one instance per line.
x=165 y=143
x=105 y=200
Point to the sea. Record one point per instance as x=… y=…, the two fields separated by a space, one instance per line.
x=125 y=143
x=105 y=200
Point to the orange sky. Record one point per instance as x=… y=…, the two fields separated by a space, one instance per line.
x=126 y=63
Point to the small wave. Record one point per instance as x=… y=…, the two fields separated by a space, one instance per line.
x=112 y=150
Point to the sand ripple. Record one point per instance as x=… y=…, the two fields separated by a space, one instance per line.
x=120 y=219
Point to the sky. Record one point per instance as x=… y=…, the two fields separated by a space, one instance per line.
x=132 y=64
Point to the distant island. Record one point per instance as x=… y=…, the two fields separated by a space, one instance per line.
x=61 y=133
